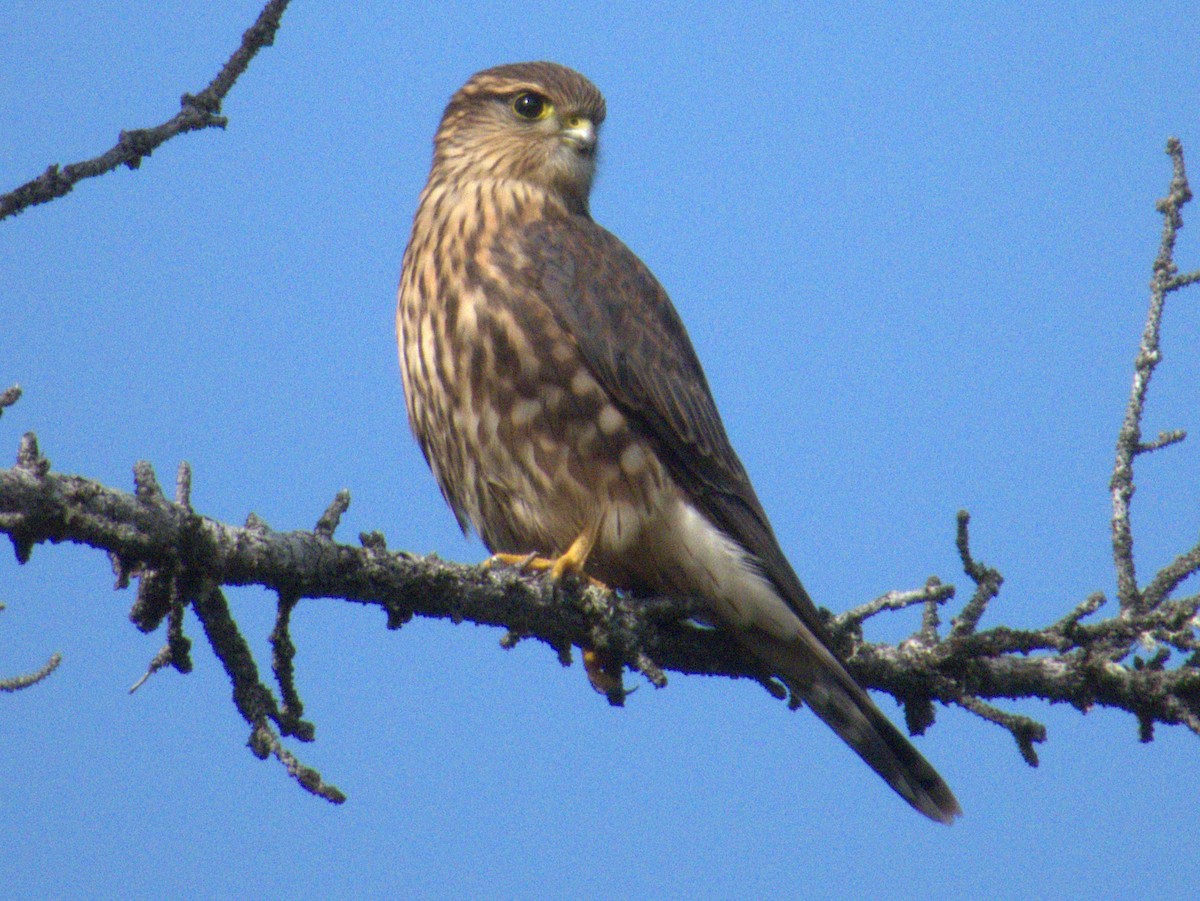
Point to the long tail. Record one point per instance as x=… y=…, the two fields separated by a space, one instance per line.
x=821 y=680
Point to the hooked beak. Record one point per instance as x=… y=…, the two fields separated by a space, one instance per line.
x=580 y=133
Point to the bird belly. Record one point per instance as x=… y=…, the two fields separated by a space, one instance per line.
x=556 y=464
x=525 y=444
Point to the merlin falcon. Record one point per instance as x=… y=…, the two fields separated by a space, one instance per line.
x=558 y=400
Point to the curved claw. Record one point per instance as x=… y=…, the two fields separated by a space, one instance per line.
x=605 y=675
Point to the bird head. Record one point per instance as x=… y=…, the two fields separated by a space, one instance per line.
x=535 y=123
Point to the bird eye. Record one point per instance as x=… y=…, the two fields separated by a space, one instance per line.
x=532 y=106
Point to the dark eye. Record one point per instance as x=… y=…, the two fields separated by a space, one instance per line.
x=530 y=105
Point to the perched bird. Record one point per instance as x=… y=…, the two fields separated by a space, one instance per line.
x=563 y=411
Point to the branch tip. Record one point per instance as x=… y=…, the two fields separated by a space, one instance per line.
x=332 y=516
x=648 y=668
x=1025 y=731
x=510 y=640
x=145 y=482
x=919 y=714
x=1164 y=439
x=8 y=397
x=397 y=615
x=256 y=523
x=283 y=653
x=987 y=582
x=373 y=541
x=1145 y=728
x=19 y=683
x=22 y=547
x=29 y=457
x=1084 y=608
x=934 y=592
x=263 y=742
x=183 y=485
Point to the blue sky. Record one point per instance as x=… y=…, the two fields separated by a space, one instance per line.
x=911 y=243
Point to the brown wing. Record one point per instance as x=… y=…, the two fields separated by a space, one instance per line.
x=637 y=348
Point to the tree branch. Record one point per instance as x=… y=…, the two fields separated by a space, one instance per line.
x=1129 y=440
x=197 y=111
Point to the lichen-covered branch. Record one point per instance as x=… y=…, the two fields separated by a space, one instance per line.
x=1165 y=279
x=197 y=111
x=156 y=539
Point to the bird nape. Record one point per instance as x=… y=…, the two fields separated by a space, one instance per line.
x=557 y=398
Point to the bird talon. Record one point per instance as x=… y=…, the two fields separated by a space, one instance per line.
x=605 y=675
x=530 y=561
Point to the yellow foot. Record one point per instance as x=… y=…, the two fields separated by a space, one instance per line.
x=520 y=561
x=571 y=562
x=602 y=671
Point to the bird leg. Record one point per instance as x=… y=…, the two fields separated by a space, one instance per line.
x=602 y=670
x=576 y=555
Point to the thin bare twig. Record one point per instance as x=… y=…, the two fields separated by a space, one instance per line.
x=932 y=591
x=17 y=683
x=332 y=516
x=1024 y=730
x=9 y=396
x=197 y=111
x=1129 y=439
x=987 y=582
x=253 y=700
x=283 y=653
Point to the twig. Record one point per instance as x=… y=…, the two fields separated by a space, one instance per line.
x=175 y=653
x=252 y=699
x=987 y=582
x=197 y=111
x=933 y=592
x=1171 y=576
x=332 y=516
x=1129 y=439
x=9 y=396
x=263 y=740
x=283 y=653
x=1024 y=730
x=17 y=683
x=1083 y=609
x=183 y=485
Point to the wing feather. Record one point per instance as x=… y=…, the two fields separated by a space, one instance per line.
x=636 y=346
